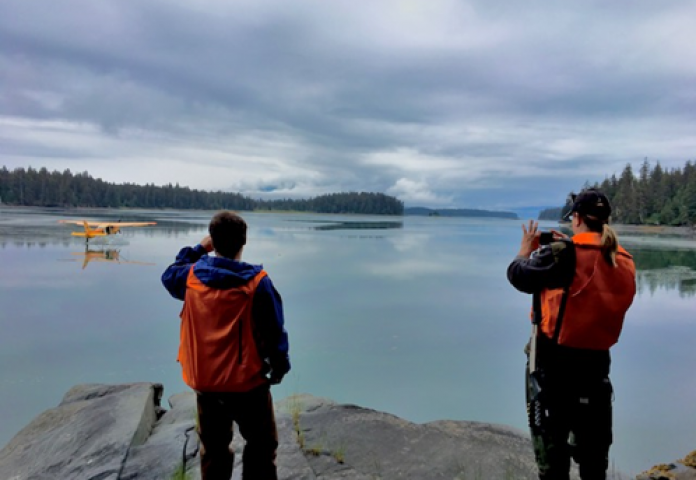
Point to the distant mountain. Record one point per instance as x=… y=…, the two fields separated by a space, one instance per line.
x=457 y=212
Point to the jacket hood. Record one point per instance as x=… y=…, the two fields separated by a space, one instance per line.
x=223 y=273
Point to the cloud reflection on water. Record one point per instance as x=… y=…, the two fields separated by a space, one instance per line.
x=354 y=328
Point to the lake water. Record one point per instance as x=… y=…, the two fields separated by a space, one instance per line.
x=410 y=315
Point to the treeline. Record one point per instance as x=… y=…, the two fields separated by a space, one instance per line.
x=656 y=196
x=351 y=202
x=41 y=188
x=457 y=212
x=555 y=213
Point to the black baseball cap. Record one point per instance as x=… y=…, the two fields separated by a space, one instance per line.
x=590 y=203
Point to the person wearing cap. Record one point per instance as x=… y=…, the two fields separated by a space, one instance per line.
x=582 y=289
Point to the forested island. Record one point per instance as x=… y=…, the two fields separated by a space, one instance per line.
x=41 y=188
x=458 y=212
x=555 y=213
x=656 y=196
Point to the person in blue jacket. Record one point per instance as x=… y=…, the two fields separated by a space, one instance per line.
x=233 y=347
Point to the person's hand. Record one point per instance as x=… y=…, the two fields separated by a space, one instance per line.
x=530 y=239
x=559 y=235
x=207 y=243
x=275 y=379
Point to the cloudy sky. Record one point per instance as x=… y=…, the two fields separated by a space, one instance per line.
x=469 y=103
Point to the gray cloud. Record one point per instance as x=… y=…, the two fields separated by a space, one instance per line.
x=443 y=103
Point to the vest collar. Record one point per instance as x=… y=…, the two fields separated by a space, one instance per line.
x=594 y=239
x=587 y=238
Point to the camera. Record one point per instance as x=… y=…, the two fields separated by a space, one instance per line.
x=545 y=238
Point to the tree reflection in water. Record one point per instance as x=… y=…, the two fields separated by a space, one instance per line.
x=666 y=269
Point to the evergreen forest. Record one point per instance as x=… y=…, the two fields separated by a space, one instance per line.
x=655 y=196
x=41 y=188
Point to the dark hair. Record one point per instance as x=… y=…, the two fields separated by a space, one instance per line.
x=228 y=231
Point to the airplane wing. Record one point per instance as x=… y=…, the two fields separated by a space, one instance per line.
x=121 y=224
x=107 y=224
x=76 y=222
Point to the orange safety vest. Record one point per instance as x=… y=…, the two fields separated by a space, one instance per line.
x=597 y=301
x=217 y=350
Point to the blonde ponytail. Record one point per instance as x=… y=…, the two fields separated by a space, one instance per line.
x=610 y=244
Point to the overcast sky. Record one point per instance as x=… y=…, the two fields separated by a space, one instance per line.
x=474 y=103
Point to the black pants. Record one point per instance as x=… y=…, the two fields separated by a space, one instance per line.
x=577 y=424
x=253 y=413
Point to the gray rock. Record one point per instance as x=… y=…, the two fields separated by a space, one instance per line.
x=372 y=444
x=105 y=432
x=172 y=445
x=87 y=436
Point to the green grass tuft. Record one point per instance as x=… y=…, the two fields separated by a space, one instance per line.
x=180 y=473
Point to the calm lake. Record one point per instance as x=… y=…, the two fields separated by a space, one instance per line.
x=409 y=315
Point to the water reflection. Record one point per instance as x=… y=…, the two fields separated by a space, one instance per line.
x=174 y=229
x=671 y=266
x=432 y=295
x=106 y=255
x=662 y=261
x=18 y=234
x=351 y=224
x=665 y=269
x=651 y=259
x=681 y=279
x=360 y=226
x=43 y=243
x=667 y=266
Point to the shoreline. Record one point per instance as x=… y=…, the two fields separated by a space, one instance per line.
x=682 y=231
x=679 y=231
x=646 y=229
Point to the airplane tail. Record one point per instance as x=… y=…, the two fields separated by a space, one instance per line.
x=89 y=232
x=85 y=234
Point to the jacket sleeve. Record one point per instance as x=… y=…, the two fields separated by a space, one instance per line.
x=267 y=312
x=174 y=277
x=551 y=266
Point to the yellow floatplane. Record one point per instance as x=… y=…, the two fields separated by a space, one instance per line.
x=102 y=229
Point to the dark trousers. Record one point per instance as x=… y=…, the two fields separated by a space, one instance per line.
x=577 y=424
x=253 y=413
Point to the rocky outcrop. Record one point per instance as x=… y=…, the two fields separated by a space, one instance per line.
x=346 y=441
x=684 y=469
x=89 y=435
x=112 y=432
